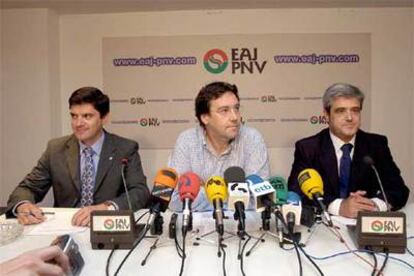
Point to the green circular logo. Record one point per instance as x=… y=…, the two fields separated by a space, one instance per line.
x=377 y=226
x=109 y=224
x=215 y=61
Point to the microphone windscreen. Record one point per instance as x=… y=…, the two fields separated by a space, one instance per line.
x=280 y=185
x=368 y=160
x=254 y=179
x=310 y=182
x=167 y=177
x=189 y=185
x=216 y=188
x=234 y=174
x=293 y=198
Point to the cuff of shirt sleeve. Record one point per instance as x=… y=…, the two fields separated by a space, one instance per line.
x=111 y=205
x=14 y=210
x=381 y=205
x=334 y=207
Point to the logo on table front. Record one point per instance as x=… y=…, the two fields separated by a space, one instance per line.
x=386 y=226
x=109 y=224
x=117 y=224
x=215 y=61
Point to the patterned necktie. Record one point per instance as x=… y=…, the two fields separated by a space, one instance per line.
x=345 y=170
x=87 y=178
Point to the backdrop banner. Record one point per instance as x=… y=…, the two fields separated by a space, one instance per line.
x=153 y=81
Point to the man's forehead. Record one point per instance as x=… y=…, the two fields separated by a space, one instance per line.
x=83 y=108
x=227 y=99
x=346 y=102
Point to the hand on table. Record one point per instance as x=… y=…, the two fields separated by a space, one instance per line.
x=83 y=216
x=29 y=213
x=354 y=203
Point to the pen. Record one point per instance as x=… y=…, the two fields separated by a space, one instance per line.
x=29 y=213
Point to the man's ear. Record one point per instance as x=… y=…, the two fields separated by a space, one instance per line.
x=326 y=114
x=105 y=119
x=205 y=118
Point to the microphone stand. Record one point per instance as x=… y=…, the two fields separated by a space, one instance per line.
x=266 y=216
x=156 y=231
x=220 y=234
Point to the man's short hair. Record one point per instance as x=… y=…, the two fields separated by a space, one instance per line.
x=211 y=92
x=93 y=96
x=341 y=90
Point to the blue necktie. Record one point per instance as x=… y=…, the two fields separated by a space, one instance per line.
x=345 y=170
x=87 y=178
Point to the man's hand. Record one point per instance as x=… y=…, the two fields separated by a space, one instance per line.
x=45 y=261
x=83 y=216
x=29 y=213
x=354 y=203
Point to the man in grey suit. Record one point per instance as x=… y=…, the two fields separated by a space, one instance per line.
x=85 y=168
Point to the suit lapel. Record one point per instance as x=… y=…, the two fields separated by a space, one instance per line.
x=72 y=159
x=329 y=163
x=105 y=160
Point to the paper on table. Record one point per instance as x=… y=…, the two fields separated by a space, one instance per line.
x=57 y=224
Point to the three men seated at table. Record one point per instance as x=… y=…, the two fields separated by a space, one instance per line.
x=84 y=168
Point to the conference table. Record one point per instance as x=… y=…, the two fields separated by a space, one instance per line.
x=268 y=258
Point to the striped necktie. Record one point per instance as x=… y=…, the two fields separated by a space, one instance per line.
x=87 y=178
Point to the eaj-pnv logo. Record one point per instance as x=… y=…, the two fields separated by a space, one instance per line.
x=377 y=226
x=215 y=61
x=109 y=224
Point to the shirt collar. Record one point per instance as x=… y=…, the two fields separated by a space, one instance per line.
x=96 y=147
x=202 y=134
x=338 y=143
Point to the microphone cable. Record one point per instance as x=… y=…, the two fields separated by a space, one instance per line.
x=224 y=257
x=295 y=245
x=384 y=263
x=242 y=253
x=183 y=256
x=108 y=260
x=139 y=239
x=335 y=231
x=372 y=253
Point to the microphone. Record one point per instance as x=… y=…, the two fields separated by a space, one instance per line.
x=114 y=229
x=370 y=162
x=292 y=208
x=216 y=191
x=281 y=187
x=263 y=193
x=239 y=194
x=124 y=165
x=164 y=185
x=380 y=231
x=311 y=184
x=189 y=186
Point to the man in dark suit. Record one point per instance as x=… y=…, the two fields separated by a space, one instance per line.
x=84 y=168
x=338 y=153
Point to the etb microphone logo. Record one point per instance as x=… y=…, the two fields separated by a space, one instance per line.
x=386 y=226
x=262 y=187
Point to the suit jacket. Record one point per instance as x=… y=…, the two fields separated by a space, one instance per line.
x=59 y=167
x=318 y=152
